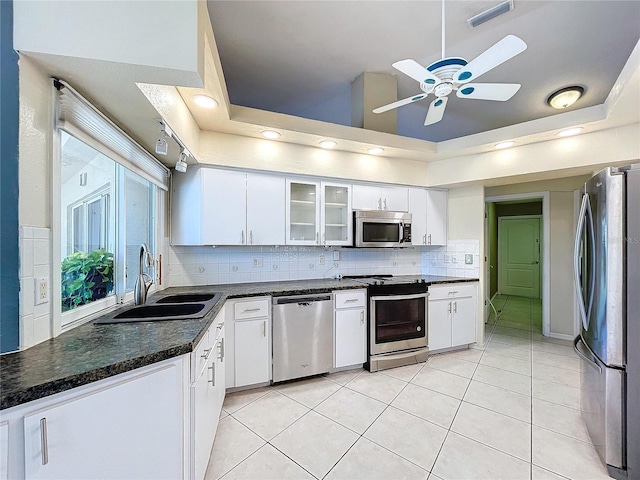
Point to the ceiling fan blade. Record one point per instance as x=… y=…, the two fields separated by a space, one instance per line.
x=507 y=48
x=436 y=111
x=488 y=91
x=416 y=71
x=400 y=103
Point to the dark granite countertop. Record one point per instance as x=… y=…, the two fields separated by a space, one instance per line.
x=91 y=352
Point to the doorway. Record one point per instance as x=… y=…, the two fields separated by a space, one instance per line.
x=517 y=260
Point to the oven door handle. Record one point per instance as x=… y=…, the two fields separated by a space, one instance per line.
x=378 y=298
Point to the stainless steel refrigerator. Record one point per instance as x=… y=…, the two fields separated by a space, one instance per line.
x=607 y=270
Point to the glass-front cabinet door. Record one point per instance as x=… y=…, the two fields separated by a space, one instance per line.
x=336 y=218
x=303 y=226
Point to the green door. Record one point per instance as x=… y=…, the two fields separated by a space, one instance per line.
x=519 y=256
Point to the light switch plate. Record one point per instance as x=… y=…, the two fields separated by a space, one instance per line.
x=468 y=259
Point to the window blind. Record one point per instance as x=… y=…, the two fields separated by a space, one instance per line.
x=78 y=117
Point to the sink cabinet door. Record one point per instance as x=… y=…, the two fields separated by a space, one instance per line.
x=130 y=429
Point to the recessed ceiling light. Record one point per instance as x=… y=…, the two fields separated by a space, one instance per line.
x=375 y=150
x=271 y=134
x=204 y=101
x=565 y=97
x=505 y=144
x=328 y=144
x=570 y=131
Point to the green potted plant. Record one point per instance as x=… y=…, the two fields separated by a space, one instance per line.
x=86 y=278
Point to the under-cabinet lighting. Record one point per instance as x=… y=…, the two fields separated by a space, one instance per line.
x=205 y=101
x=502 y=145
x=569 y=132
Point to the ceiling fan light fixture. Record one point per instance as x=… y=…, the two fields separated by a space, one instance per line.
x=503 y=145
x=328 y=144
x=565 y=97
x=569 y=132
x=271 y=134
x=204 y=101
x=375 y=150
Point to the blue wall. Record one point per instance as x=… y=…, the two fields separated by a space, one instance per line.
x=9 y=258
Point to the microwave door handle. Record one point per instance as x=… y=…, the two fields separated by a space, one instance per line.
x=576 y=260
x=401 y=232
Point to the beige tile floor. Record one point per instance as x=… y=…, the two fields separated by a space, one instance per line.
x=509 y=410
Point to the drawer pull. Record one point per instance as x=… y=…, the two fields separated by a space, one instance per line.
x=44 y=441
x=207 y=352
x=249 y=310
x=213 y=375
x=221 y=350
x=220 y=325
x=351 y=300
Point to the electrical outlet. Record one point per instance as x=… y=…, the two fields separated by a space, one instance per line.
x=41 y=290
x=201 y=269
x=257 y=262
x=321 y=261
x=454 y=259
x=468 y=259
x=447 y=259
x=336 y=255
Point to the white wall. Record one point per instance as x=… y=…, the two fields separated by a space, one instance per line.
x=466 y=222
x=34 y=209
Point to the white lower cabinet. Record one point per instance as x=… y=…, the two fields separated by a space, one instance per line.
x=452 y=315
x=207 y=396
x=131 y=428
x=249 y=362
x=350 y=328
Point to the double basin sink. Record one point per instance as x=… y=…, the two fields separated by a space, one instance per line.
x=168 y=307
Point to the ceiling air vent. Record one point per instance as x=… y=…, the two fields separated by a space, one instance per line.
x=492 y=13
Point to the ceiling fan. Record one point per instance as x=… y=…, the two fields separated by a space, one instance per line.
x=455 y=73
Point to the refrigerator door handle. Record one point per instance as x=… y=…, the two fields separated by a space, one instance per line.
x=590 y=361
x=585 y=212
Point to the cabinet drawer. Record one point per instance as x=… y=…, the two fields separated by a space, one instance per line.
x=251 y=309
x=350 y=299
x=452 y=290
x=201 y=354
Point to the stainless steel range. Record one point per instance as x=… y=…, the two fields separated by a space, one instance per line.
x=397 y=321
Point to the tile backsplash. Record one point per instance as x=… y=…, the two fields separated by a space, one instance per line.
x=209 y=266
x=35 y=254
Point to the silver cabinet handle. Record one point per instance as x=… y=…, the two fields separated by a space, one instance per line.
x=380 y=204
x=455 y=307
x=453 y=292
x=424 y=239
x=247 y=310
x=242 y=243
x=324 y=238
x=221 y=350
x=429 y=240
x=213 y=374
x=220 y=325
x=362 y=317
x=44 y=441
x=317 y=238
x=385 y=204
x=264 y=328
x=351 y=300
x=251 y=237
x=207 y=352
x=449 y=307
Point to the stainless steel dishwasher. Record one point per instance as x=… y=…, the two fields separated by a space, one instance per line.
x=302 y=336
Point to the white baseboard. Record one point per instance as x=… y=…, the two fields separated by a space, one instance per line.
x=561 y=336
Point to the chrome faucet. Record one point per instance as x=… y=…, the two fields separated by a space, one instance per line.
x=141 y=287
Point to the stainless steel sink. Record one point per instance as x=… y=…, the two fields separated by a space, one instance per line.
x=168 y=307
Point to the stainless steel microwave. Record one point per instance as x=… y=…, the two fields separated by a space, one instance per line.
x=381 y=228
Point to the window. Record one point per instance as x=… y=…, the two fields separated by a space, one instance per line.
x=108 y=188
x=94 y=267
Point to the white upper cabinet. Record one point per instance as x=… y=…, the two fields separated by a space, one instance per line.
x=436 y=217
x=318 y=213
x=265 y=209
x=336 y=219
x=224 y=207
x=370 y=197
x=418 y=210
